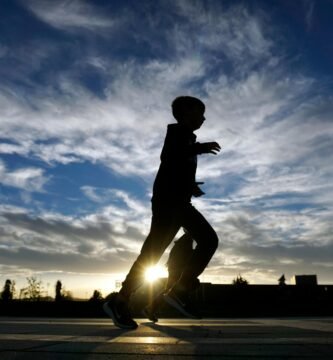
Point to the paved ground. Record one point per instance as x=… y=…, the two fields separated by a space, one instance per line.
x=98 y=339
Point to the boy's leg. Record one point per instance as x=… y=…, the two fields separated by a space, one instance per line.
x=207 y=241
x=164 y=227
x=150 y=311
x=173 y=277
x=165 y=224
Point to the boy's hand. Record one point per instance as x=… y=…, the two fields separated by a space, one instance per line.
x=210 y=148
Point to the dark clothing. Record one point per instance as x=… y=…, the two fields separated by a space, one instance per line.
x=175 y=178
x=166 y=222
x=179 y=257
x=172 y=209
x=180 y=253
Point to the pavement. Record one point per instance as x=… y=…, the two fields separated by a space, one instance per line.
x=99 y=339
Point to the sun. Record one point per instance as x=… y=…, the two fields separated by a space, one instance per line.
x=154 y=272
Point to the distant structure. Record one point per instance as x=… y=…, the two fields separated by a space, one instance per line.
x=282 y=280
x=305 y=280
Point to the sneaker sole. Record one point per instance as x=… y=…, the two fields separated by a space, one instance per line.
x=171 y=301
x=110 y=313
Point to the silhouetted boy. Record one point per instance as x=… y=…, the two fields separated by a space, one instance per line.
x=171 y=207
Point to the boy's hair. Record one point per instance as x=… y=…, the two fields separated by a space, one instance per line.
x=183 y=104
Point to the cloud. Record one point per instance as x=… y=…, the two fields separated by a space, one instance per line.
x=90 y=192
x=262 y=243
x=69 y=15
x=30 y=178
x=107 y=102
x=3 y=50
x=309 y=10
x=52 y=242
x=230 y=33
x=37 y=260
x=108 y=130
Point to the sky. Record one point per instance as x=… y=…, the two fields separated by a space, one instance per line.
x=85 y=97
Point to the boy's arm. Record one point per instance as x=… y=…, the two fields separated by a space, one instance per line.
x=177 y=146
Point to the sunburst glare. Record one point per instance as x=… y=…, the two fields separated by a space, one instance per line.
x=155 y=272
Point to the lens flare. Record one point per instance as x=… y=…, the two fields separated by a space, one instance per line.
x=154 y=272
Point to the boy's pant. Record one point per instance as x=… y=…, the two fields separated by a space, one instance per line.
x=166 y=221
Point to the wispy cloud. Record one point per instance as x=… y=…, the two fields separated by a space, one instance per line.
x=309 y=10
x=30 y=179
x=69 y=15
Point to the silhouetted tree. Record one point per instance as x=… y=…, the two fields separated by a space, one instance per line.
x=58 y=291
x=34 y=289
x=67 y=295
x=8 y=291
x=97 y=296
x=240 y=281
x=61 y=293
x=282 y=280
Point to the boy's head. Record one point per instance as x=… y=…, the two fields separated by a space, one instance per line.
x=189 y=111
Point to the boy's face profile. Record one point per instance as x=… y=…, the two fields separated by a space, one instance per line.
x=194 y=118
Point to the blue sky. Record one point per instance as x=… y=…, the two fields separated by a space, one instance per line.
x=85 y=95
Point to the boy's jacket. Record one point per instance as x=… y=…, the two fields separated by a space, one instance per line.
x=175 y=178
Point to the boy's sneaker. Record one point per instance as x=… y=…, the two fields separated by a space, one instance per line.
x=149 y=313
x=181 y=301
x=119 y=312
